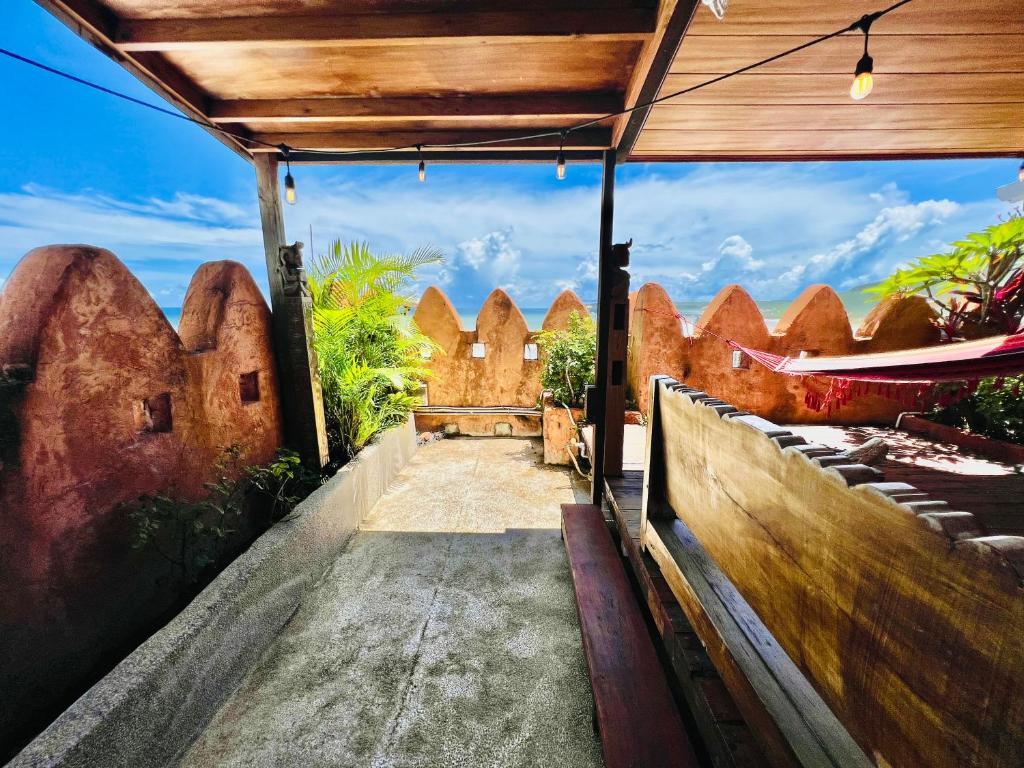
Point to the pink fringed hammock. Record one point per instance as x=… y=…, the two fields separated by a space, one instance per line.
x=902 y=375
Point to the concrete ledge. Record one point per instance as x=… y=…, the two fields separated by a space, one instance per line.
x=152 y=705
x=990 y=448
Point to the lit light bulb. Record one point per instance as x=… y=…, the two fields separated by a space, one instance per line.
x=289 y=188
x=423 y=171
x=560 y=166
x=863 y=79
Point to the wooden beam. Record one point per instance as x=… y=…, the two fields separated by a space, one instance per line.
x=587 y=138
x=656 y=58
x=301 y=398
x=539 y=106
x=812 y=157
x=391 y=29
x=447 y=157
x=604 y=322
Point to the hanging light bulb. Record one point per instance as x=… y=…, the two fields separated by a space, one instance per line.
x=560 y=163
x=863 y=75
x=863 y=79
x=289 y=180
x=289 y=187
x=423 y=166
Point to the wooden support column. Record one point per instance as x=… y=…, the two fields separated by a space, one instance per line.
x=618 y=343
x=292 y=306
x=604 y=324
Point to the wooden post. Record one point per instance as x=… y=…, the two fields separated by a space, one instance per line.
x=292 y=306
x=618 y=344
x=604 y=323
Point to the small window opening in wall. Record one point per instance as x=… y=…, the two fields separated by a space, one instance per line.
x=740 y=360
x=479 y=350
x=156 y=413
x=530 y=352
x=249 y=387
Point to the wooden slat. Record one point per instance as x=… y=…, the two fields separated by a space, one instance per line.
x=846 y=116
x=797 y=17
x=589 y=138
x=540 y=106
x=395 y=29
x=775 y=143
x=636 y=716
x=434 y=70
x=755 y=89
x=913 y=634
x=726 y=737
x=949 y=54
x=795 y=726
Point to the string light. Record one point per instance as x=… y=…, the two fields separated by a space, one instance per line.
x=1020 y=171
x=863 y=75
x=423 y=165
x=289 y=180
x=560 y=163
x=863 y=82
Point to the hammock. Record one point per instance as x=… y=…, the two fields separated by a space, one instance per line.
x=963 y=361
x=902 y=375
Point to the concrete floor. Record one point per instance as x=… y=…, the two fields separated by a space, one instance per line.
x=444 y=635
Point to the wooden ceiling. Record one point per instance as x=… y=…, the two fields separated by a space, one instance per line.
x=337 y=75
x=949 y=80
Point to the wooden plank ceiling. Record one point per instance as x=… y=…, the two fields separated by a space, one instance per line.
x=949 y=80
x=344 y=75
x=339 y=75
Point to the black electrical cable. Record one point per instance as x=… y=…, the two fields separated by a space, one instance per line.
x=860 y=24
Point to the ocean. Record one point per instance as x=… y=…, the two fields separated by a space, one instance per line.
x=856 y=303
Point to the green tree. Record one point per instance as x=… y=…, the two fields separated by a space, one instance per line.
x=370 y=352
x=569 y=359
x=977 y=287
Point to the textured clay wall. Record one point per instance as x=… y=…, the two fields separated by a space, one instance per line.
x=503 y=376
x=816 y=323
x=104 y=402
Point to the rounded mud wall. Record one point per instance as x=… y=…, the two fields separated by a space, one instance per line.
x=109 y=404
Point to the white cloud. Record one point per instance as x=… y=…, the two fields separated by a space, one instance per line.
x=773 y=228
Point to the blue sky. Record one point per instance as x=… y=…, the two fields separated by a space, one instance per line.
x=79 y=166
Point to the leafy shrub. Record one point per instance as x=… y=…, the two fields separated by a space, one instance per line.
x=568 y=358
x=995 y=410
x=370 y=353
x=977 y=288
x=193 y=535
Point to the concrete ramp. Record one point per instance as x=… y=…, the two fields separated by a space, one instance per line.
x=444 y=634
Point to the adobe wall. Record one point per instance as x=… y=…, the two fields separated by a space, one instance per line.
x=815 y=323
x=503 y=376
x=104 y=402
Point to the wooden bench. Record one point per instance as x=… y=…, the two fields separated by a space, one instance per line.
x=635 y=714
x=856 y=622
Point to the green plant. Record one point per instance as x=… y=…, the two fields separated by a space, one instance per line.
x=370 y=353
x=995 y=410
x=977 y=288
x=568 y=359
x=193 y=535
